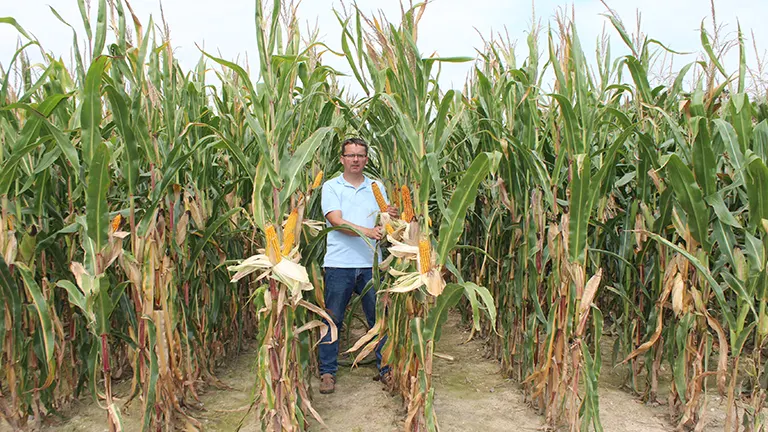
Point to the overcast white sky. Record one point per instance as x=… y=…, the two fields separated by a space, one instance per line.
x=448 y=26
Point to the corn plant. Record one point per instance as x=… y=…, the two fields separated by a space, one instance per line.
x=617 y=202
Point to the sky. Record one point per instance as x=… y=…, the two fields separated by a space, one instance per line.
x=448 y=28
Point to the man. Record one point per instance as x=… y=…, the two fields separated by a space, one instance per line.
x=348 y=200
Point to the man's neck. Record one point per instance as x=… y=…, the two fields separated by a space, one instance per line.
x=354 y=179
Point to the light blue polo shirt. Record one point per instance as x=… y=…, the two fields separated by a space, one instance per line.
x=358 y=206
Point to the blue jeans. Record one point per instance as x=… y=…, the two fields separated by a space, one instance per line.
x=340 y=283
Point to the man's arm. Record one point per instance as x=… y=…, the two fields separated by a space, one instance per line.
x=334 y=217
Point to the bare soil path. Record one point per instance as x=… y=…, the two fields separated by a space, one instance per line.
x=471 y=395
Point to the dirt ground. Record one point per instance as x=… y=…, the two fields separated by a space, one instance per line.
x=471 y=395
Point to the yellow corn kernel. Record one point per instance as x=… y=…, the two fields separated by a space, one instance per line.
x=116 y=222
x=318 y=180
x=289 y=232
x=379 y=197
x=273 y=246
x=425 y=260
x=382 y=204
x=407 y=204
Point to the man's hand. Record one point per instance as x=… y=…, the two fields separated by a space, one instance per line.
x=393 y=212
x=375 y=233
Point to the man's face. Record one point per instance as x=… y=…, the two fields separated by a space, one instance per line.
x=354 y=159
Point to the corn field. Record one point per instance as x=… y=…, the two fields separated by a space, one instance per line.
x=578 y=214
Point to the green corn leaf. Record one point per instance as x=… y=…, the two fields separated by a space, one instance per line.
x=292 y=165
x=11 y=21
x=210 y=230
x=607 y=164
x=43 y=314
x=76 y=296
x=472 y=291
x=722 y=212
x=704 y=164
x=452 y=224
x=757 y=191
x=90 y=114
x=731 y=141
x=97 y=211
x=740 y=110
x=121 y=116
x=65 y=144
x=726 y=240
x=86 y=22
x=167 y=179
x=105 y=303
x=7 y=79
x=760 y=144
x=710 y=52
x=579 y=208
x=690 y=198
x=149 y=402
x=239 y=71
x=439 y=313
x=571 y=126
x=742 y=61
x=640 y=77
x=11 y=294
x=755 y=252
x=101 y=29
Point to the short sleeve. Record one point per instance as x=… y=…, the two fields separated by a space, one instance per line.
x=329 y=200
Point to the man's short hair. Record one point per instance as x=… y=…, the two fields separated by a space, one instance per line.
x=354 y=141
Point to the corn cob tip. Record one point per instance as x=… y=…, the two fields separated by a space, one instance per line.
x=425 y=259
x=116 y=222
x=289 y=232
x=379 y=197
x=273 y=245
x=407 y=214
x=318 y=180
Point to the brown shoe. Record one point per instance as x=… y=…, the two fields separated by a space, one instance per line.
x=327 y=383
x=385 y=378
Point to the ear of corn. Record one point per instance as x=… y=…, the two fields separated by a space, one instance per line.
x=116 y=221
x=318 y=180
x=382 y=205
x=272 y=244
x=379 y=197
x=425 y=258
x=289 y=232
x=407 y=214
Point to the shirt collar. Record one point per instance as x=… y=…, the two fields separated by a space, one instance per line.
x=342 y=181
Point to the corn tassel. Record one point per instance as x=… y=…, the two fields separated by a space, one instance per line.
x=318 y=180
x=425 y=260
x=273 y=246
x=382 y=205
x=407 y=204
x=289 y=232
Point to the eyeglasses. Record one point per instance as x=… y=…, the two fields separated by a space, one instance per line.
x=355 y=156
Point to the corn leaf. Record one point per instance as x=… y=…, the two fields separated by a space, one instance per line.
x=453 y=219
x=690 y=198
x=97 y=212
